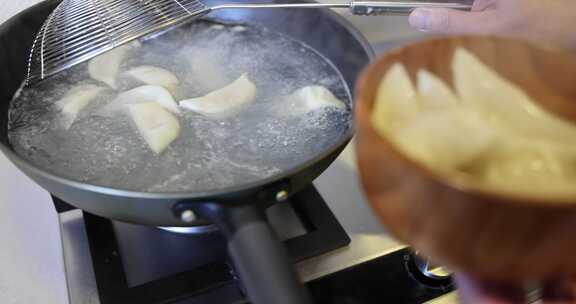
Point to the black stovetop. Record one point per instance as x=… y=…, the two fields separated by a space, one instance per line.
x=147 y=265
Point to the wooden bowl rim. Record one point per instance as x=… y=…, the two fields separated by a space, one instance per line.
x=458 y=181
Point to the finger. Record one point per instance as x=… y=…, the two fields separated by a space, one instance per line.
x=450 y=21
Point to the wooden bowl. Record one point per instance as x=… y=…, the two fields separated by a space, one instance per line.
x=468 y=229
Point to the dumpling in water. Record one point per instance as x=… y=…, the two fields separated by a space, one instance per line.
x=308 y=99
x=225 y=101
x=147 y=93
x=154 y=76
x=105 y=67
x=158 y=127
x=76 y=100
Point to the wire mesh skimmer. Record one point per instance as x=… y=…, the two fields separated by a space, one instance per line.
x=78 y=30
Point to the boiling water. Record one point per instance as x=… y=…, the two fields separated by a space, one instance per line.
x=210 y=153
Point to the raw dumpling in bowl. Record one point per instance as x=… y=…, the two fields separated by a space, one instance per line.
x=435 y=93
x=538 y=168
x=225 y=101
x=308 y=99
x=396 y=102
x=76 y=100
x=445 y=139
x=504 y=103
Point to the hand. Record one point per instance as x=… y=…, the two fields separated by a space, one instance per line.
x=545 y=21
x=473 y=291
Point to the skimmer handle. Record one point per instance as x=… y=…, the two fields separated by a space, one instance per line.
x=373 y=8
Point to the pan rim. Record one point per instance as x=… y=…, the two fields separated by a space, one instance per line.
x=25 y=166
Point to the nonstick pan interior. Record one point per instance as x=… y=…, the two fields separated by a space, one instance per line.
x=332 y=38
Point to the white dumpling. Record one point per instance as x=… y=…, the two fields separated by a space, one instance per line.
x=158 y=127
x=76 y=100
x=225 y=101
x=308 y=99
x=147 y=93
x=154 y=76
x=533 y=167
x=396 y=102
x=105 y=67
x=445 y=139
x=504 y=103
x=434 y=93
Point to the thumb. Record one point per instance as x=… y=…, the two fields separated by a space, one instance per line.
x=449 y=21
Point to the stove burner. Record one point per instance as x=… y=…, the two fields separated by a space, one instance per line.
x=147 y=265
x=191 y=230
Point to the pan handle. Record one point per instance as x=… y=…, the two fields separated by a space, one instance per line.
x=372 y=8
x=261 y=260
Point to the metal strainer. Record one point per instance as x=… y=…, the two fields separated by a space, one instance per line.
x=78 y=30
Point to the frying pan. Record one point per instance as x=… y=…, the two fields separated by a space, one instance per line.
x=259 y=258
